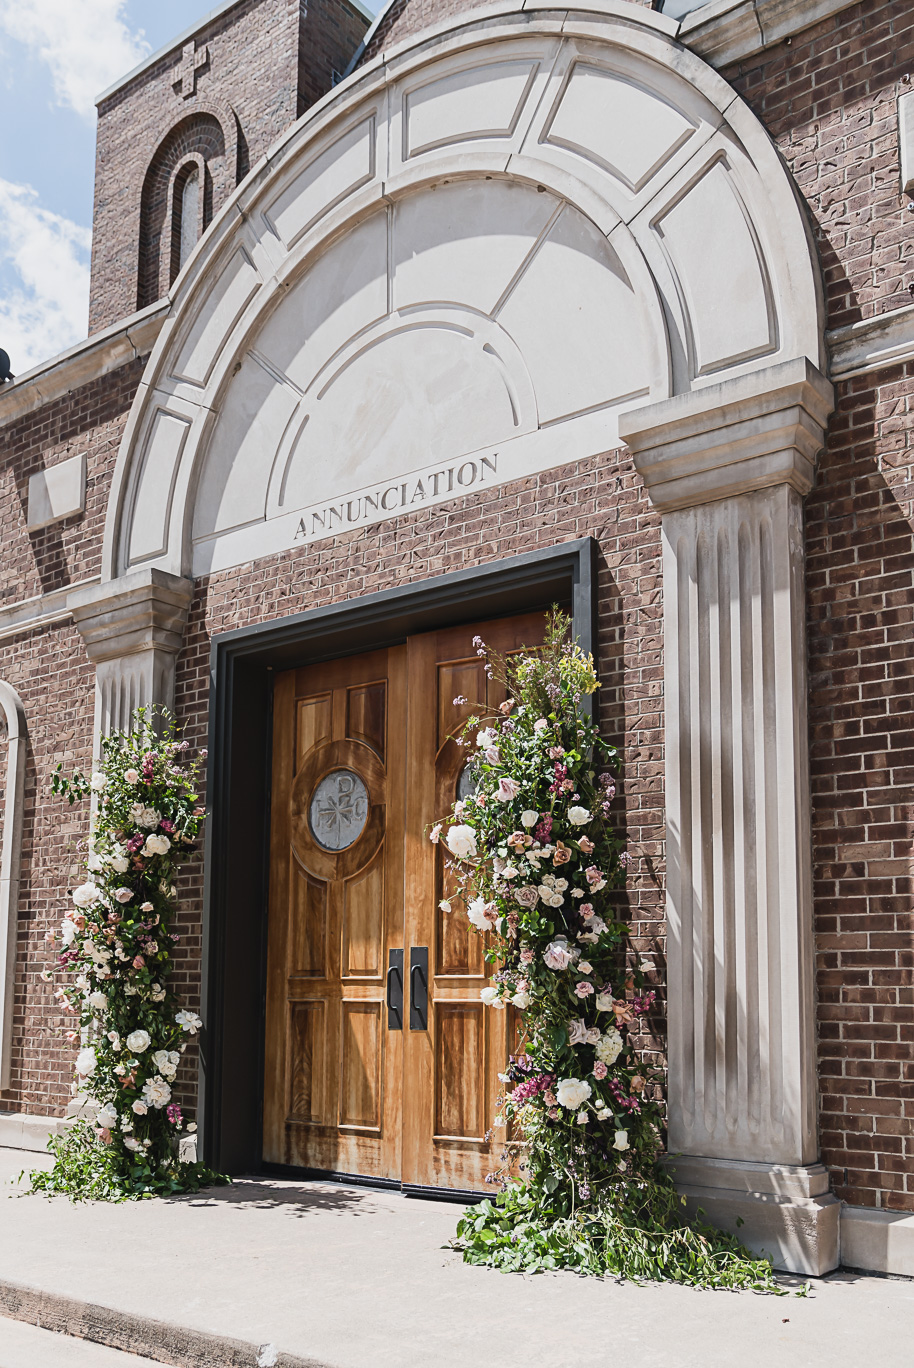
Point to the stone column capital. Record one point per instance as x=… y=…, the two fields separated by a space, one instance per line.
x=145 y=610
x=757 y=430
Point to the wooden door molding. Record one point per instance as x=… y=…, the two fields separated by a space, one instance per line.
x=236 y=860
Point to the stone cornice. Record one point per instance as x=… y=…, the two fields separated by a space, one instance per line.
x=886 y=340
x=142 y=611
x=754 y=431
x=86 y=361
x=726 y=31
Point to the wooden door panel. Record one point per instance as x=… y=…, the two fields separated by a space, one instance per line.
x=308 y=909
x=451 y=1071
x=333 y=1069
x=363 y=922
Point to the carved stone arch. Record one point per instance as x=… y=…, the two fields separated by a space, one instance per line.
x=12 y=715
x=208 y=134
x=638 y=188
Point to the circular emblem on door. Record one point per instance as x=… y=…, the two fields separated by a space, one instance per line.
x=339 y=810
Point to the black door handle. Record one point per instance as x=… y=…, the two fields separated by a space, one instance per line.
x=394 y=995
x=418 y=988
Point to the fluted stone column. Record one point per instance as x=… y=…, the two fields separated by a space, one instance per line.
x=132 y=628
x=728 y=467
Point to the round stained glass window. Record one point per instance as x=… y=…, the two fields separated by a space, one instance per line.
x=339 y=810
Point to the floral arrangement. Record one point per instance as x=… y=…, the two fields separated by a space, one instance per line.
x=115 y=945
x=534 y=858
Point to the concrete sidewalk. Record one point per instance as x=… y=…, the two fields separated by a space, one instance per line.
x=356 y=1278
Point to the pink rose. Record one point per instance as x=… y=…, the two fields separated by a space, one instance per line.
x=138 y=962
x=578 y=1033
x=526 y=957
x=594 y=878
x=526 y=895
x=123 y=895
x=585 y=844
x=507 y=790
x=435 y=834
x=586 y=911
x=562 y=854
x=583 y=989
x=557 y=955
x=492 y=756
x=600 y=1070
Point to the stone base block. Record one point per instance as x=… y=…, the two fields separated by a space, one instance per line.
x=878 y=1241
x=19 y=1131
x=779 y=1210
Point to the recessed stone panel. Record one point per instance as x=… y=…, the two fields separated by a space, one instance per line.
x=340 y=169
x=479 y=102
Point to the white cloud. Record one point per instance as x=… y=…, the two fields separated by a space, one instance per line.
x=44 y=278
x=85 y=43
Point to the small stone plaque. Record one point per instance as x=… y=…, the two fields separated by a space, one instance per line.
x=339 y=810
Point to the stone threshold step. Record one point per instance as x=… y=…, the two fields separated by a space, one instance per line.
x=141 y=1335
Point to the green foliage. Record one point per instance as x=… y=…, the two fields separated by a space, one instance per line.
x=640 y=1235
x=85 y=1170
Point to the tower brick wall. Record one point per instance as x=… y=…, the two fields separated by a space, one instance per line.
x=267 y=62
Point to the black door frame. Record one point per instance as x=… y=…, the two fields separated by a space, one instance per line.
x=236 y=867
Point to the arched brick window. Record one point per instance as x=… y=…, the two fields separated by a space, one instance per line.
x=192 y=172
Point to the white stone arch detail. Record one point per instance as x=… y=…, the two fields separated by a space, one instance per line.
x=679 y=219
x=13 y=712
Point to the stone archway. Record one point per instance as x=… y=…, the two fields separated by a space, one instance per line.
x=539 y=233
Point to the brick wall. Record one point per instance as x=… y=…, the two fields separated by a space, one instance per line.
x=860 y=550
x=268 y=61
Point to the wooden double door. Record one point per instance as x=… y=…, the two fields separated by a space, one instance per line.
x=381 y=1060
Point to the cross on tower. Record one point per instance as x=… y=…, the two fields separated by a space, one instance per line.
x=185 y=75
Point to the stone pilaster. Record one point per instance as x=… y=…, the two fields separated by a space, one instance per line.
x=728 y=467
x=132 y=628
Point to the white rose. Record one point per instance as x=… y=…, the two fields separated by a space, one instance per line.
x=140 y=1107
x=540 y=725
x=604 y=1002
x=106 y=1116
x=578 y=816
x=86 y=895
x=145 y=816
x=156 y=845
x=157 y=993
x=489 y=996
x=67 y=931
x=131 y=1144
x=507 y=791
x=572 y=1093
x=96 y=863
x=119 y=863
x=115 y=1041
x=529 y=818
x=485 y=738
x=156 y=1093
x=461 y=841
x=97 y=782
x=98 y=1002
x=609 y=1047
x=138 y=1041
x=444 y=905
x=167 y=1061
x=85 y=1062
x=521 y=1001
x=132 y=776
x=581 y=1118
x=476 y=911
x=123 y=895
x=188 y=1021
x=621 y=1140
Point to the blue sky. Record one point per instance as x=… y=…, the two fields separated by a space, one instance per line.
x=56 y=56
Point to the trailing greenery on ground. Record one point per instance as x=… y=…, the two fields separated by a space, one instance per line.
x=534 y=858
x=114 y=952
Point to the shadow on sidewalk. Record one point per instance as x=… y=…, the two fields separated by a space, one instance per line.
x=299 y=1199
